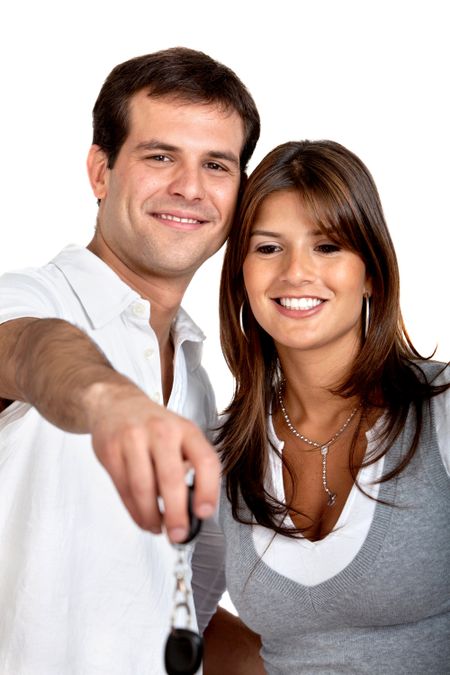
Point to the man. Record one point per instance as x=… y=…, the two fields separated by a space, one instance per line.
x=91 y=345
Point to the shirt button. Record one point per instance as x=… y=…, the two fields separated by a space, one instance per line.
x=149 y=353
x=156 y=397
x=138 y=309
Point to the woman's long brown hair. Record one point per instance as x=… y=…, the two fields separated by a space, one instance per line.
x=341 y=197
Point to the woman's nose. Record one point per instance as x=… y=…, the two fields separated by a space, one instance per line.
x=299 y=268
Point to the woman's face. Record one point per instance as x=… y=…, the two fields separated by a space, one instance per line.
x=304 y=289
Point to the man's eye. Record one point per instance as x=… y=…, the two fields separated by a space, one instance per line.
x=158 y=158
x=215 y=166
x=328 y=248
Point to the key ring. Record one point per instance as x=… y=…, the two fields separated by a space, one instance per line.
x=184 y=647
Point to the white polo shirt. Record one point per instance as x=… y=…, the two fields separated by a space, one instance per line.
x=83 y=590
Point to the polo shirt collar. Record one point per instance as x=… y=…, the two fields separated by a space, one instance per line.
x=104 y=296
x=186 y=332
x=100 y=290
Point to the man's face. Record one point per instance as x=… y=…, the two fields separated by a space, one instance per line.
x=167 y=204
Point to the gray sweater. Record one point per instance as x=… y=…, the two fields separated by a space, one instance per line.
x=388 y=611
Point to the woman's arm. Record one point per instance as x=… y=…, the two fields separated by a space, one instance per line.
x=231 y=647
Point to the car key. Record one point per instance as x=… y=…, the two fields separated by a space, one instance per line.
x=184 y=647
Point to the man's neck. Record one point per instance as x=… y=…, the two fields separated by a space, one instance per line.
x=164 y=295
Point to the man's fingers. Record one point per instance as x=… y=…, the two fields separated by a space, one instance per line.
x=145 y=449
x=141 y=481
x=112 y=459
x=127 y=462
x=170 y=462
x=170 y=477
x=206 y=464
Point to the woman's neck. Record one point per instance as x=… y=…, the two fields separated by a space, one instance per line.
x=310 y=378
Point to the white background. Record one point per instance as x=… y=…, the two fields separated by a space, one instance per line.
x=371 y=75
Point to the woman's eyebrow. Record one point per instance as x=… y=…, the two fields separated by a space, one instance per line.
x=265 y=233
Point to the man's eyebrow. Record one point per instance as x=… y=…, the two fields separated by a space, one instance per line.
x=156 y=145
x=226 y=156
x=150 y=146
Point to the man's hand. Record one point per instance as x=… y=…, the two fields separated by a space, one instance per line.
x=145 y=448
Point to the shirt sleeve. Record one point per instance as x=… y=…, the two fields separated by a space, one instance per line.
x=27 y=294
x=209 y=405
x=208 y=559
x=208 y=571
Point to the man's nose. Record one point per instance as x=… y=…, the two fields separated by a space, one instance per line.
x=188 y=182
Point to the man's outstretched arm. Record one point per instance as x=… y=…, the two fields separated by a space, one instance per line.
x=58 y=369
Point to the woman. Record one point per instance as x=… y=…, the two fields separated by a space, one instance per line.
x=336 y=445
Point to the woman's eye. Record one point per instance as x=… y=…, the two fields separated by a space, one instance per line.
x=328 y=248
x=267 y=249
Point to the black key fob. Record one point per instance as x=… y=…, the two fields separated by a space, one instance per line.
x=183 y=653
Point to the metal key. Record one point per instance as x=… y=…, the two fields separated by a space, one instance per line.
x=194 y=522
x=184 y=647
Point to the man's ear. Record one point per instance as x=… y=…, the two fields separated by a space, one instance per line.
x=97 y=166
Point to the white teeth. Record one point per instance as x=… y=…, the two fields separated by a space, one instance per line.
x=166 y=216
x=300 y=303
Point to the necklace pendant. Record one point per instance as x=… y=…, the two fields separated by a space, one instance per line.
x=331 y=499
x=323 y=448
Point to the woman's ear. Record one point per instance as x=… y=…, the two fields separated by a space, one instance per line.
x=368 y=288
x=97 y=166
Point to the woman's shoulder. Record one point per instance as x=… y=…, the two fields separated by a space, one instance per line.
x=436 y=372
x=436 y=375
